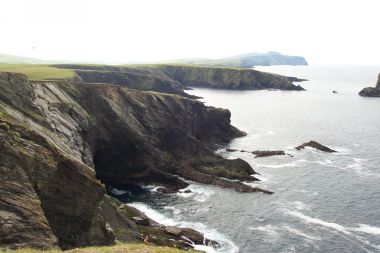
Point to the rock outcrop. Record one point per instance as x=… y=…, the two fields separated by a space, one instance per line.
x=228 y=78
x=61 y=141
x=316 y=145
x=175 y=78
x=371 y=91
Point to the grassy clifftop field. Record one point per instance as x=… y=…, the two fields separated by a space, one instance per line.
x=38 y=71
x=119 y=248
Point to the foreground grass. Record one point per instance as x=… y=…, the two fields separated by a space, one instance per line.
x=119 y=248
x=38 y=72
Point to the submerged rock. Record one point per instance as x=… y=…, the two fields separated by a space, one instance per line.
x=316 y=145
x=260 y=153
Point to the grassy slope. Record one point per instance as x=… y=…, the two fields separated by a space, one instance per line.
x=119 y=248
x=45 y=72
x=38 y=72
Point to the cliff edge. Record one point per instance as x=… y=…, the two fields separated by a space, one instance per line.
x=175 y=79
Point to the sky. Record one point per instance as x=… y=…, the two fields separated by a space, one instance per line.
x=120 y=31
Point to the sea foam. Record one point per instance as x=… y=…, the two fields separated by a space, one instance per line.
x=227 y=246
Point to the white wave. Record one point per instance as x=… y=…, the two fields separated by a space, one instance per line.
x=260 y=177
x=153 y=214
x=299 y=205
x=174 y=210
x=302 y=234
x=199 y=193
x=227 y=246
x=320 y=222
x=269 y=229
x=367 y=229
x=152 y=188
x=117 y=191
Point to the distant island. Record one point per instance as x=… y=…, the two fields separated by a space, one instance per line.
x=248 y=60
x=371 y=91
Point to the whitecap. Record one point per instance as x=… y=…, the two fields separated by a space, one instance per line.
x=299 y=205
x=319 y=222
x=269 y=229
x=302 y=234
x=152 y=188
x=367 y=229
x=199 y=193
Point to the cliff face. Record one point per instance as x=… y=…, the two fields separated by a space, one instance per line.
x=371 y=91
x=58 y=139
x=174 y=78
x=228 y=78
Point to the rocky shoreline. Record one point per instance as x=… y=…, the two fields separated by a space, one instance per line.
x=63 y=142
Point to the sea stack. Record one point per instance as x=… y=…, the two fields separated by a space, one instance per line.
x=371 y=91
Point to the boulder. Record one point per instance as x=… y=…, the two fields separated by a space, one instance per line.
x=141 y=220
x=172 y=230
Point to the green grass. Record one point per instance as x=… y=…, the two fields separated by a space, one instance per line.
x=118 y=248
x=38 y=72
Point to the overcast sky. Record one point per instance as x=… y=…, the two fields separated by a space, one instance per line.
x=118 y=31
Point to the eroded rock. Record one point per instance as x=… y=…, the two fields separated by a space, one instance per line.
x=316 y=145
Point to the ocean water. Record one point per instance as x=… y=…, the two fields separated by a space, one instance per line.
x=322 y=202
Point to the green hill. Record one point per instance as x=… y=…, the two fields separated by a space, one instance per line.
x=249 y=60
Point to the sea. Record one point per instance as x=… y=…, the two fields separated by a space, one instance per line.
x=322 y=202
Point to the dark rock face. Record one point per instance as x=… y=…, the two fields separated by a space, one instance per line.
x=174 y=78
x=63 y=137
x=316 y=145
x=371 y=91
x=267 y=153
x=260 y=153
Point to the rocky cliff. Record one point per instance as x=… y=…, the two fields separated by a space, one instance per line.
x=175 y=78
x=371 y=91
x=228 y=78
x=61 y=142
